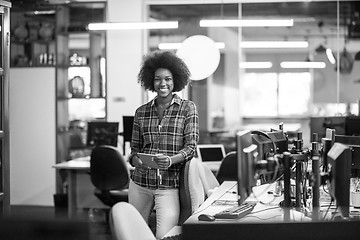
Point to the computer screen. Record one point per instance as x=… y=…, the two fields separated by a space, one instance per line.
x=210 y=152
x=102 y=133
x=339 y=160
x=352 y=126
x=320 y=124
x=246 y=171
x=354 y=144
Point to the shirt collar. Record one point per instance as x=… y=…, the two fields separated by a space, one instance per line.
x=176 y=99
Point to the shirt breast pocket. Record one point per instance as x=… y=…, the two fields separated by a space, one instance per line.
x=177 y=125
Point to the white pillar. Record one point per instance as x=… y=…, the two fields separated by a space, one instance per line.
x=124 y=51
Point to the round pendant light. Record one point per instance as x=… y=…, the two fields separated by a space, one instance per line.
x=201 y=55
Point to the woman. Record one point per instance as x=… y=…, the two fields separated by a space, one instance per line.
x=167 y=126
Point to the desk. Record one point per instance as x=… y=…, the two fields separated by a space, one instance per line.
x=74 y=168
x=265 y=222
x=267 y=209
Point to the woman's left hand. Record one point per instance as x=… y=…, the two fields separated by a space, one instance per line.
x=163 y=161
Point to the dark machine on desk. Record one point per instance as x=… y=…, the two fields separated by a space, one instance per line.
x=263 y=159
x=270 y=157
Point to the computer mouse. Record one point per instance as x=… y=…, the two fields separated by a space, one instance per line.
x=206 y=217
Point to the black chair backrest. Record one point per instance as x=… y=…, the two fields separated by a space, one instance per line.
x=108 y=169
x=184 y=194
x=228 y=168
x=127 y=129
x=128 y=125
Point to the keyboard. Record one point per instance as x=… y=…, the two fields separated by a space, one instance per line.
x=173 y=237
x=236 y=212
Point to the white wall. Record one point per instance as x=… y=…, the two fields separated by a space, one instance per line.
x=32 y=136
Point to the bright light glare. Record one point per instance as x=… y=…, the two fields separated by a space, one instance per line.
x=133 y=25
x=274 y=44
x=330 y=56
x=169 y=46
x=303 y=64
x=244 y=65
x=246 y=23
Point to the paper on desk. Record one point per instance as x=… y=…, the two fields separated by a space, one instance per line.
x=264 y=194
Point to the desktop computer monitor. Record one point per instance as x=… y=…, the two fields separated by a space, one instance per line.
x=246 y=164
x=353 y=142
x=352 y=124
x=339 y=160
x=102 y=133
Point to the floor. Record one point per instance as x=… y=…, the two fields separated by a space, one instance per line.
x=98 y=226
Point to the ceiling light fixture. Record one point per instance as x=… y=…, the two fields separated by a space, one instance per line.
x=274 y=44
x=246 y=23
x=133 y=25
x=246 y=65
x=303 y=64
x=330 y=56
x=169 y=46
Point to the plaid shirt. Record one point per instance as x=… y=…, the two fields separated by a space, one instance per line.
x=178 y=132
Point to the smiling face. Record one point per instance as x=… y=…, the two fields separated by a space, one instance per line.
x=163 y=83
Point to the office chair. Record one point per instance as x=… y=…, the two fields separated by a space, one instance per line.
x=228 y=168
x=125 y=221
x=127 y=130
x=109 y=174
x=196 y=183
x=129 y=225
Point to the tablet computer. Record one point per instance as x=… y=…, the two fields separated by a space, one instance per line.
x=148 y=159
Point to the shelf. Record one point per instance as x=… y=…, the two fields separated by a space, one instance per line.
x=38 y=41
x=79 y=98
x=34 y=66
x=32 y=53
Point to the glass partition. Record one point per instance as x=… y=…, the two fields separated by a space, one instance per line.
x=259 y=86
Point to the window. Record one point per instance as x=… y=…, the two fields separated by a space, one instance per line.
x=276 y=94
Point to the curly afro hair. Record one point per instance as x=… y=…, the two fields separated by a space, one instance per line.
x=163 y=59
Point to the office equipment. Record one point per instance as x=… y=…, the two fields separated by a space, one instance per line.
x=206 y=217
x=267 y=218
x=173 y=237
x=127 y=130
x=210 y=152
x=245 y=171
x=339 y=160
x=320 y=124
x=102 y=133
x=148 y=159
x=270 y=142
x=228 y=168
x=236 y=212
x=352 y=126
x=322 y=230
x=109 y=174
x=353 y=142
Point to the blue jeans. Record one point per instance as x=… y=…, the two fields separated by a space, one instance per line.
x=164 y=202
